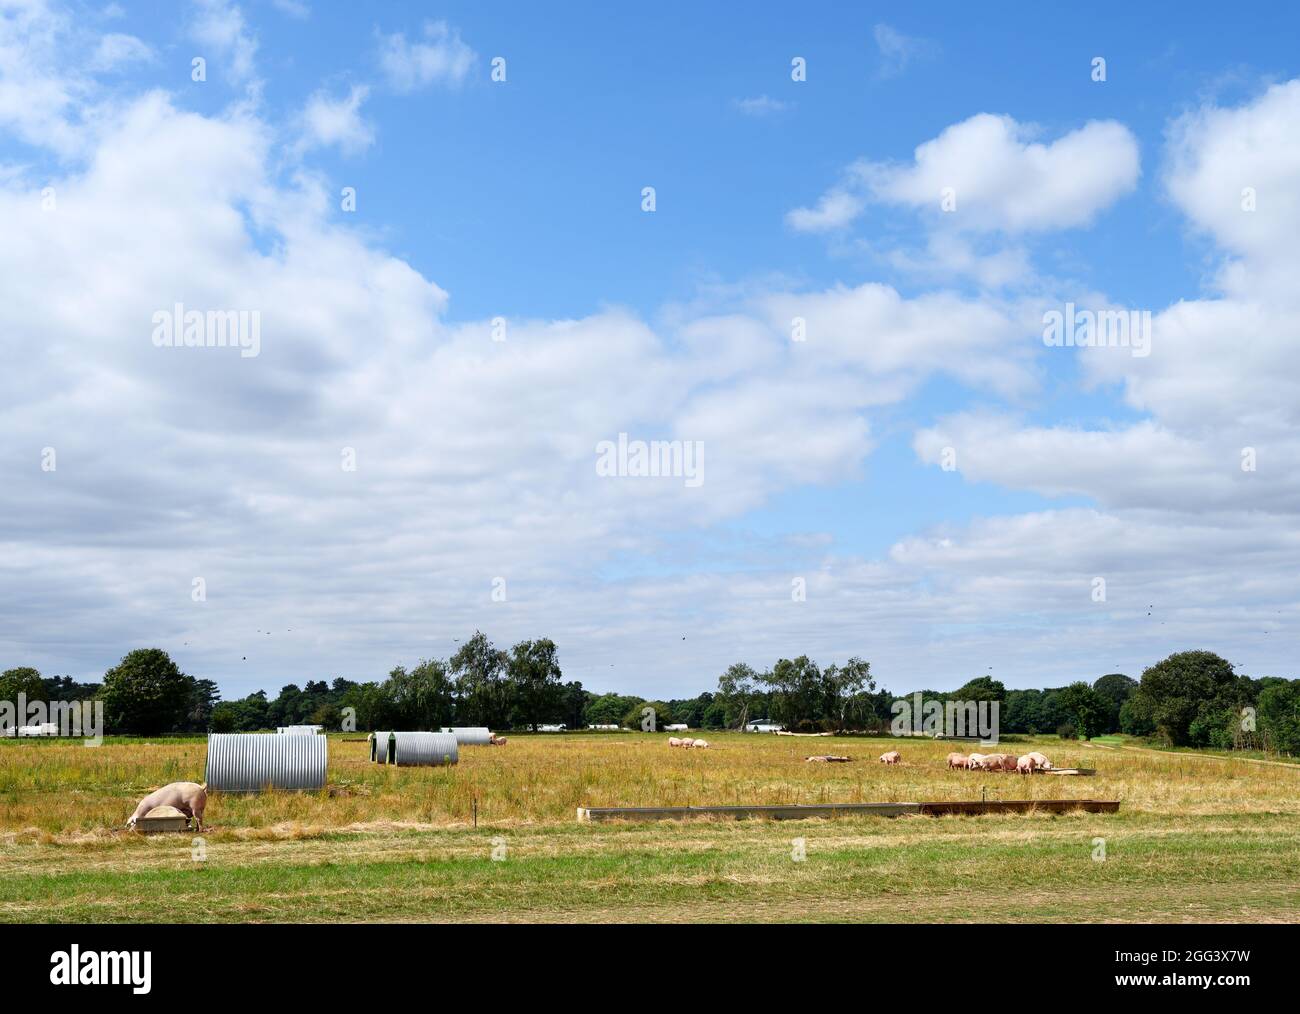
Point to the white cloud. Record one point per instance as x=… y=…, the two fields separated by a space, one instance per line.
x=762 y=105
x=1001 y=180
x=119 y=50
x=476 y=458
x=440 y=56
x=898 y=51
x=293 y=8
x=337 y=121
x=219 y=25
x=835 y=210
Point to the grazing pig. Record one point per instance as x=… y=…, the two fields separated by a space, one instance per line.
x=1009 y=762
x=1026 y=764
x=892 y=757
x=701 y=744
x=975 y=761
x=674 y=741
x=958 y=760
x=686 y=744
x=1042 y=761
x=188 y=797
x=495 y=740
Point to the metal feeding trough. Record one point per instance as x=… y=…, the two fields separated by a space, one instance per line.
x=162 y=819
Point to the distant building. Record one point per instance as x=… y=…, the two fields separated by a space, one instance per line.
x=552 y=728
x=678 y=727
x=764 y=725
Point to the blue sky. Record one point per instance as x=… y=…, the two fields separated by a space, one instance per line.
x=522 y=199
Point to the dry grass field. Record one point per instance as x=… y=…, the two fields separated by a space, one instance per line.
x=1198 y=838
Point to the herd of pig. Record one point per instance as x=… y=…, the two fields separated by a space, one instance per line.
x=688 y=743
x=1026 y=765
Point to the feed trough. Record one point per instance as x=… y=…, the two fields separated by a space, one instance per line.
x=161 y=820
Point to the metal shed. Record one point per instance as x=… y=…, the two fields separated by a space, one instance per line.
x=428 y=749
x=300 y=730
x=380 y=746
x=252 y=761
x=470 y=735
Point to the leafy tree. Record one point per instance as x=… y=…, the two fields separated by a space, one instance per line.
x=844 y=689
x=609 y=709
x=1089 y=711
x=424 y=698
x=225 y=717
x=1278 y=715
x=146 y=693
x=1115 y=688
x=533 y=677
x=1135 y=717
x=1022 y=711
x=635 y=717
x=203 y=699
x=479 y=669
x=736 y=694
x=1182 y=686
x=65 y=688
x=981 y=688
x=571 y=709
x=23 y=680
x=796 y=686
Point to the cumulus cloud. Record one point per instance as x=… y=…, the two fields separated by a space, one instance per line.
x=475 y=458
x=328 y=120
x=995 y=177
x=438 y=56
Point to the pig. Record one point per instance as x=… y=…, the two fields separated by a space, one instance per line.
x=701 y=744
x=495 y=740
x=188 y=797
x=1043 y=762
x=1026 y=764
x=674 y=741
x=975 y=761
x=1009 y=762
x=686 y=744
x=957 y=760
x=892 y=757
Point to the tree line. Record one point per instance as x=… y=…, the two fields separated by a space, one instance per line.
x=1191 y=698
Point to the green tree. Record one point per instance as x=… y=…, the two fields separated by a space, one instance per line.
x=796 y=686
x=1115 y=688
x=608 y=709
x=423 y=698
x=1182 y=686
x=1278 y=715
x=533 y=676
x=479 y=669
x=636 y=718
x=981 y=688
x=23 y=680
x=735 y=695
x=146 y=693
x=844 y=688
x=1088 y=709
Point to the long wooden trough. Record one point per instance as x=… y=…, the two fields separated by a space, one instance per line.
x=801 y=811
